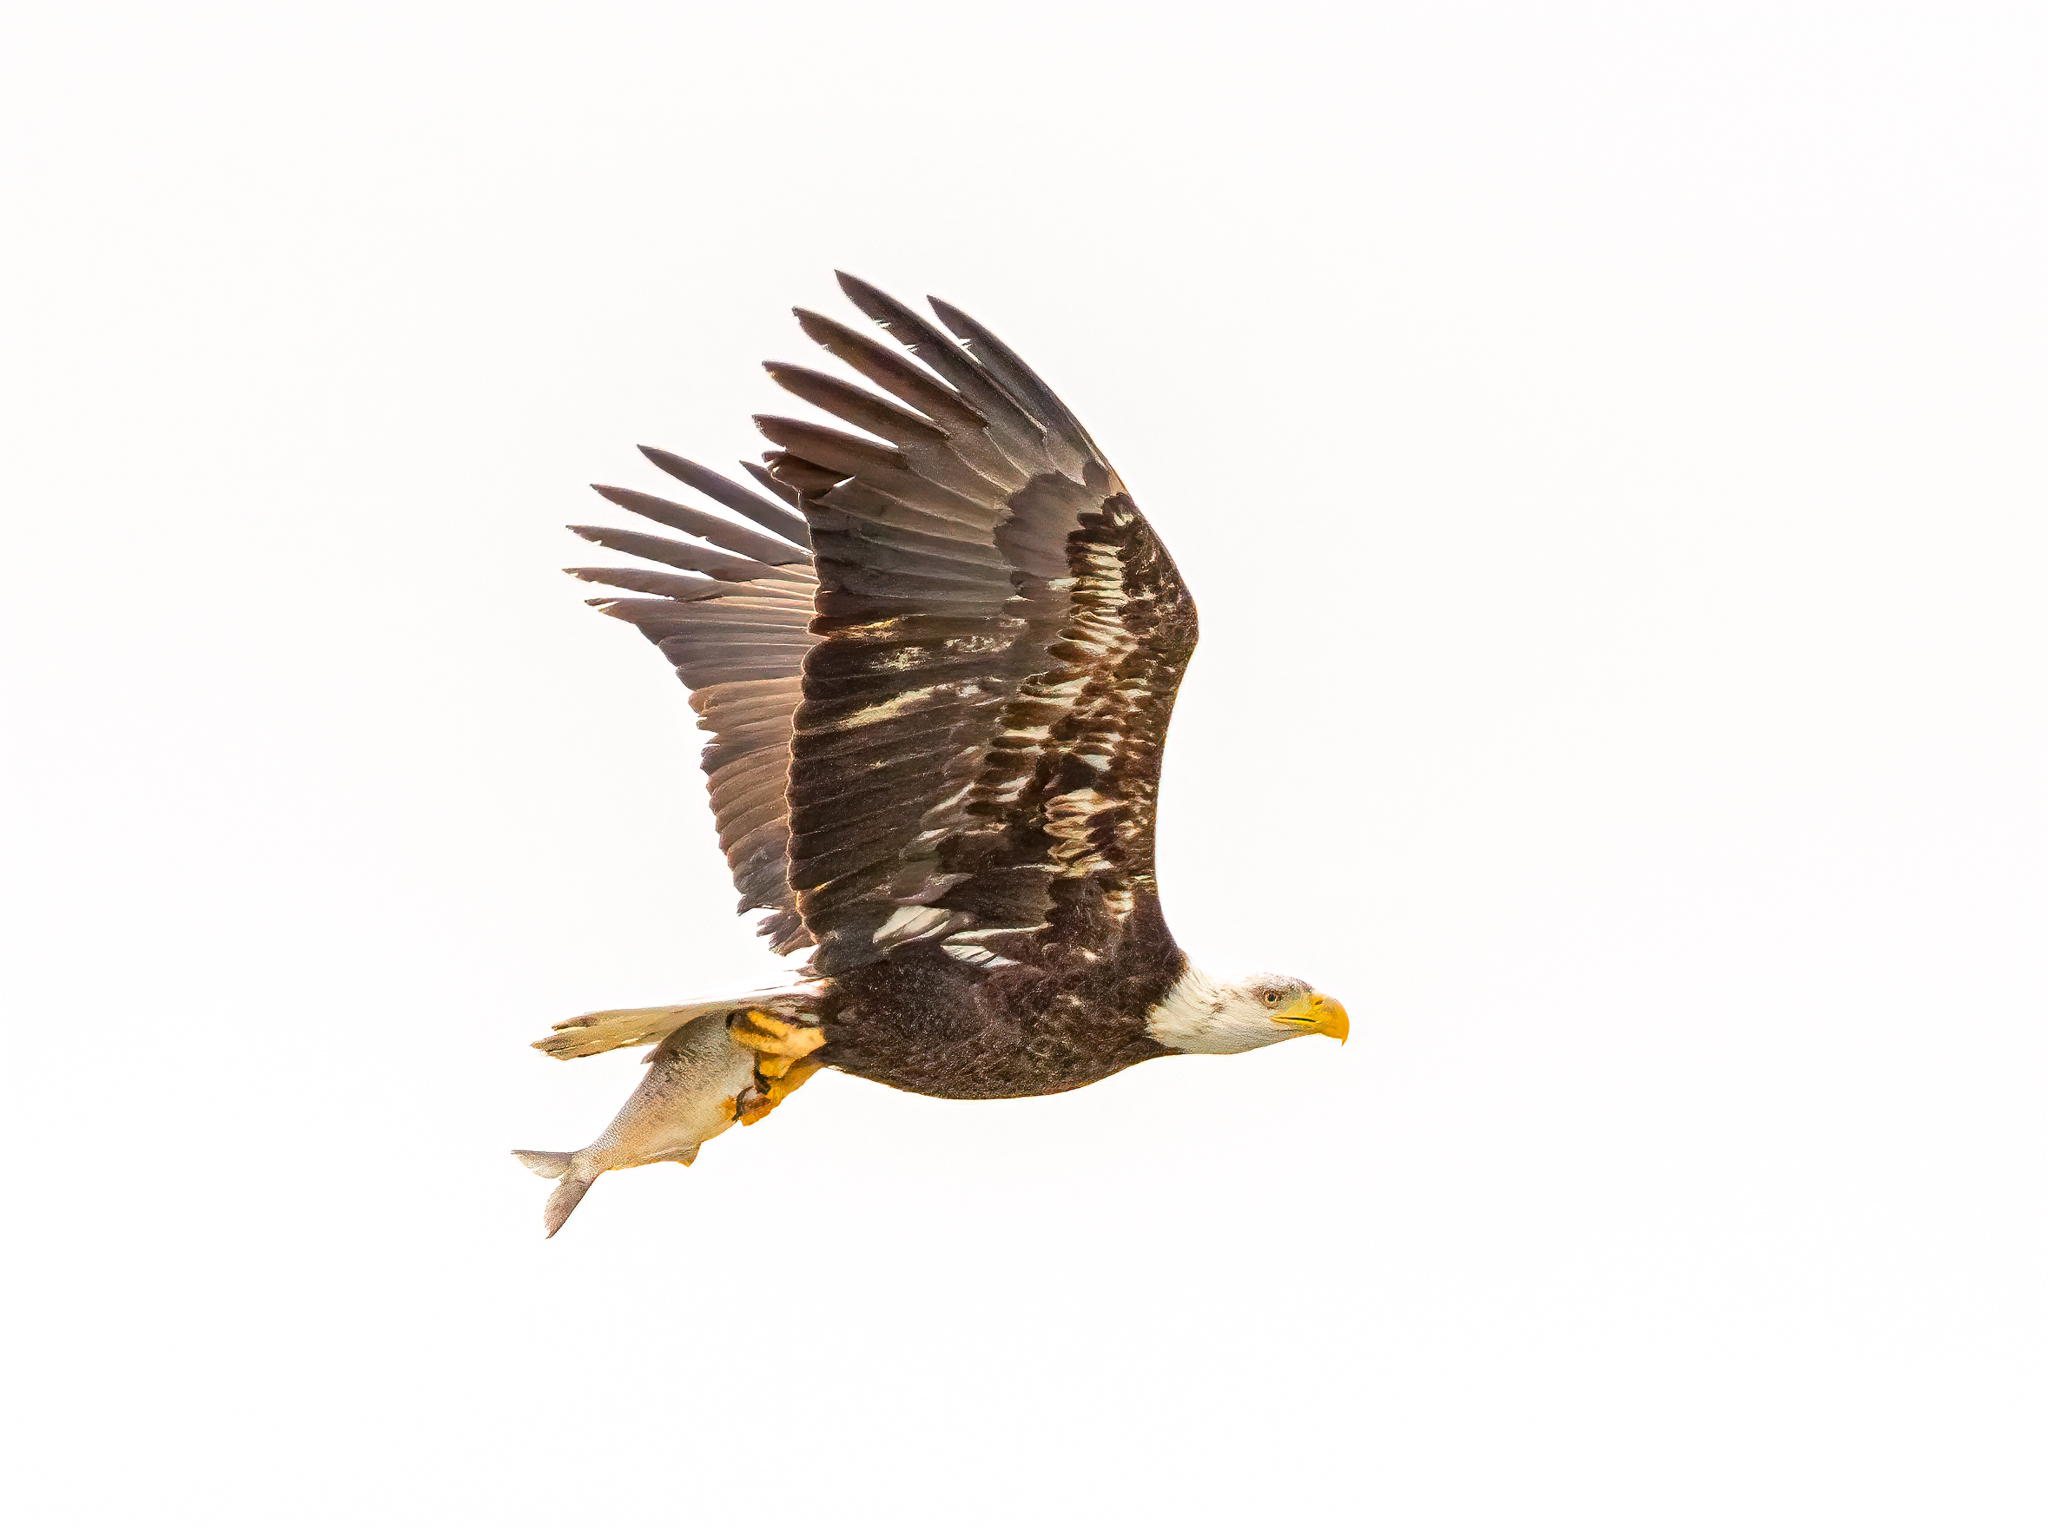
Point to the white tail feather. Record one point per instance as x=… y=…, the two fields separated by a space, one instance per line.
x=589 y=1033
x=611 y=1028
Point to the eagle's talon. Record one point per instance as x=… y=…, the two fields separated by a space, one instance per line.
x=772 y=1038
x=764 y=1093
x=779 y=1049
x=767 y=1023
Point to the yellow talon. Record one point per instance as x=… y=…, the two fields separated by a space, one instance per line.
x=767 y=1022
x=770 y=1036
x=755 y=1105
x=780 y=1050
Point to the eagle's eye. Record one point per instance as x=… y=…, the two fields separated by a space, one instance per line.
x=1272 y=998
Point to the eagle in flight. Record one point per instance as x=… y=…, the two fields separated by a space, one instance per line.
x=936 y=656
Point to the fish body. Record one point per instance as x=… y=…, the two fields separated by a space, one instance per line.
x=691 y=1092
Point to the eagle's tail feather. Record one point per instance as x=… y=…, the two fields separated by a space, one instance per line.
x=609 y=1029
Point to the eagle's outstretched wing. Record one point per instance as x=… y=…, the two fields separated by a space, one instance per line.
x=732 y=619
x=991 y=662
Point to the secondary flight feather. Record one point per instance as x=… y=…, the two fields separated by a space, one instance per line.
x=937 y=655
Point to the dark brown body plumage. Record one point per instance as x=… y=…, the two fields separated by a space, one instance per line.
x=928 y=1023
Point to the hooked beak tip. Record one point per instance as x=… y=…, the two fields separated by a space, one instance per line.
x=1323 y=1016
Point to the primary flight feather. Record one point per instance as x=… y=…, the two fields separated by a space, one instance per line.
x=936 y=655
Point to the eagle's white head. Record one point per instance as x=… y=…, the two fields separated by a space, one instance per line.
x=1203 y=1014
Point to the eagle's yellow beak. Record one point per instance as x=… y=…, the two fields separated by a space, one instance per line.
x=1319 y=1015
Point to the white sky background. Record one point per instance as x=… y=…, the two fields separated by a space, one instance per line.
x=1606 y=444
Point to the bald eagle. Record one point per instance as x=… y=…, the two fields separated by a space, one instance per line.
x=936 y=656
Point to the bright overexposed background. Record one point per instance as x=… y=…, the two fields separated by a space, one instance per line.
x=1606 y=443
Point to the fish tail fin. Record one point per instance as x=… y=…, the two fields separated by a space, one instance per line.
x=567 y=1193
x=571 y=1187
x=549 y=1165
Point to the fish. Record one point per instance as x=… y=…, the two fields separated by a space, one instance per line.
x=695 y=1079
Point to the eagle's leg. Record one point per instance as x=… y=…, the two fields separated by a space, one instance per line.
x=782 y=1058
